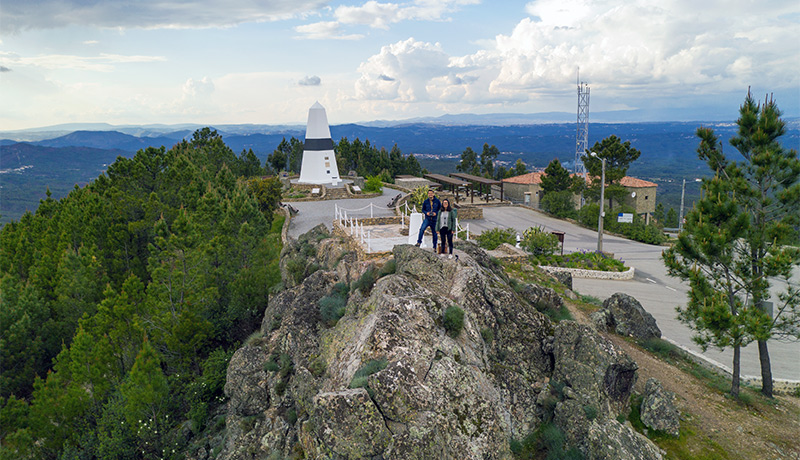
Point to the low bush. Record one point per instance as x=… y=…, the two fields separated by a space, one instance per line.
x=539 y=242
x=389 y=268
x=453 y=321
x=492 y=238
x=367 y=279
x=333 y=306
x=488 y=335
x=373 y=184
x=584 y=259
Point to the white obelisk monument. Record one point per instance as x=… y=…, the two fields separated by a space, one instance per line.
x=319 y=160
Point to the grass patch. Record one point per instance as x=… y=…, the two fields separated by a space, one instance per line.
x=488 y=335
x=453 y=321
x=277 y=223
x=360 y=378
x=555 y=313
x=546 y=442
x=333 y=306
x=689 y=444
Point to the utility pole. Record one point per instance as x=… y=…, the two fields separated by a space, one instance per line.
x=680 y=219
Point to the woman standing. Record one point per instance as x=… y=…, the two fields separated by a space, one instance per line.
x=446 y=223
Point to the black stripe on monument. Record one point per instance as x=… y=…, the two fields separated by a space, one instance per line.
x=318 y=144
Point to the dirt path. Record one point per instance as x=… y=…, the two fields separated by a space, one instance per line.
x=761 y=431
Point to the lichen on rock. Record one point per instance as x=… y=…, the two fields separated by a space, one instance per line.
x=434 y=395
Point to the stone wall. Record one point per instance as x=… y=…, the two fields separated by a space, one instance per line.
x=593 y=274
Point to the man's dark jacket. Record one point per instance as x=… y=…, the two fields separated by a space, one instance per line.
x=427 y=207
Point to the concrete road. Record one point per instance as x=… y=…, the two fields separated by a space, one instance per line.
x=658 y=293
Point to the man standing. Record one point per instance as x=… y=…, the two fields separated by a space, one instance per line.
x=430 y=210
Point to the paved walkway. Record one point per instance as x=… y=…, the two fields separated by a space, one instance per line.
x=658 y=292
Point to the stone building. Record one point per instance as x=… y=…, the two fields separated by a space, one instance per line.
x=527 y=189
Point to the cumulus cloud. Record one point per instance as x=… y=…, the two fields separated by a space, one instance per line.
x=19 y=15
x=647 y=49
x=326 y=30
x=4 y=69
x=310 y=81
x=401 y=71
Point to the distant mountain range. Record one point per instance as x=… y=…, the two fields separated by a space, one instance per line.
x=60 y=156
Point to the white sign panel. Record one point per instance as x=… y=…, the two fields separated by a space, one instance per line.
x=625 y=218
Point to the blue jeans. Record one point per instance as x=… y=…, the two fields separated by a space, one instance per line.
x=427 y=222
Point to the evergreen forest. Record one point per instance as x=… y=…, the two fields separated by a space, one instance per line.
x=123 y=302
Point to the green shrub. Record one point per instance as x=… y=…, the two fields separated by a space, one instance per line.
x=585 y=260
x=488 y=335
x=360 y=378
x=539 y=242
x=373 y=184
x=560 y=204
x=590 y=411
x=453 y=321
x=389 y=268
x=332 y=308
x=492 y=238
x=317 y=367
x=588 y=214
x=366 y=281
x=416 y=198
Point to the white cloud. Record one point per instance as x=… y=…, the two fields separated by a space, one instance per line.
x=19 y=15
x=402 y=71
x=381 y=15
x=101 y=63
x=627 y=51
x=327 y=30
x=198 y=88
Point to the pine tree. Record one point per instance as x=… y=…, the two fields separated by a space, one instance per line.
x=735 y=239
x=768 y=187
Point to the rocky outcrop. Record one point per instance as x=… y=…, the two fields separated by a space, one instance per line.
x=658 y=410
x=624 y=315
x=387 y=380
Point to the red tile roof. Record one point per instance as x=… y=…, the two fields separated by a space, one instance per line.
x=535 y=178
x=633 y=182
x=527 y=179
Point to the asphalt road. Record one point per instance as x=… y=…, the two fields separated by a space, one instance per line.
x=658 y=293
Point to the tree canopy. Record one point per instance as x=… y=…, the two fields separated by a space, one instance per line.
x=117 y=297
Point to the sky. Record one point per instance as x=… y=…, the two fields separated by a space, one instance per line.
x=268 y=61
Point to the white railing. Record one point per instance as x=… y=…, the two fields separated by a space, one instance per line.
x=352 y=225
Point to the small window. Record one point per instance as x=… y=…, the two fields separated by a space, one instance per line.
x=328 y=165
x=326 y=158
x=645 y=197
x=327 y=172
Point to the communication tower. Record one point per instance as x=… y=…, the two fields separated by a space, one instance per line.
x=582 y=135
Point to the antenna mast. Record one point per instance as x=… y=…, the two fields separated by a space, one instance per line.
x=582 y=135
